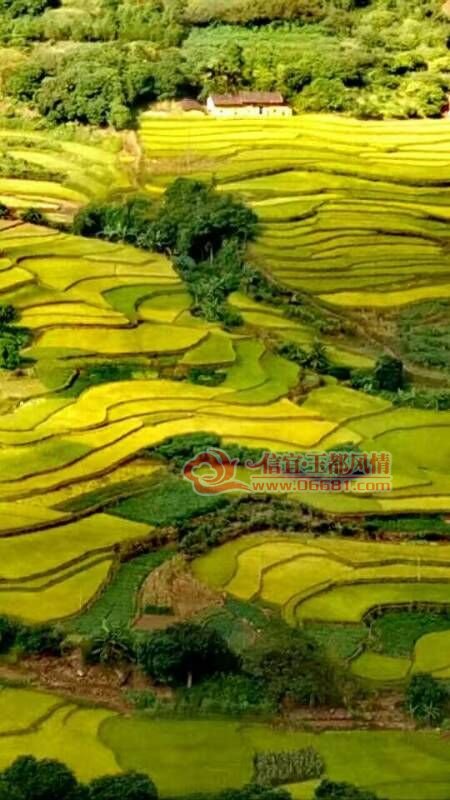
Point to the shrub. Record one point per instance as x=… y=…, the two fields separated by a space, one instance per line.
x=9 y=350
x=250 y=792
x=180 y=449
x=230 y=695
x=34 y=216
x=40 y=780
x=426 y=698
x=39 y=640
x=112 y=645
x=8 y=632
x=17 y=8
x=389 y=374
x=8 y=314
x=142 y=700
x=330 y=790
x=132 y=786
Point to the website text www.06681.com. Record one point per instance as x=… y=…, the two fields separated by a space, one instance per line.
x=213 y=471
x=259 y=484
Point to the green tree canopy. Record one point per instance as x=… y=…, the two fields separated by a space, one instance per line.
x=330 y=790
x=426 y=698
x=194 y=220
x=132 y=786
x=40 y=780
x=186 y=653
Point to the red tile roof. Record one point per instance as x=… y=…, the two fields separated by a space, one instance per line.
x=248 y=99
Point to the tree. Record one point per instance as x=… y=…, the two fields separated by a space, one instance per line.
x=40 y=640
x=389 y=373
x=26 y=79
x=330 y=790
x=34 y=216
x=127 y=221
x=170 y=80
x=40 y=780
x=426 y=698
x=180 y=449
x=8 y=314
x=185 y=653
x=131 y=786
x=8 y=792
x=295 y=668
x=317 y=359
x=9 y=351
x=195 y=220
x=111 y=646
x=8 y=631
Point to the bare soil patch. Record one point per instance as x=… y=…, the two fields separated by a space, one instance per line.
x=173 y=586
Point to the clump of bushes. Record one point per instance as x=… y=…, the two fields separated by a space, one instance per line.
x=111 y=645
x=426 y=699
x=387 y=376
x=243 y=515
x=48 y=779
x=17 y=8
x=338 y=790
x=12 y=337
x=34 y=217
x=30 y=639
x=180 y=449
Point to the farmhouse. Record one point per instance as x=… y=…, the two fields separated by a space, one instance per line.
x=248 y=104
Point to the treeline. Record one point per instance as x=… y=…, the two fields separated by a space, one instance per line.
x=100 y=85
x=370 y=59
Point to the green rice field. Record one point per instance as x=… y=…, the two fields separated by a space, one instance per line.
x=96 y=742
x=337 y=582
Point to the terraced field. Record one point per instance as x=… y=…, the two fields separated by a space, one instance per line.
x=355 y=218
x=95 y=742
x=336 y=582
x=355 y=213
x=114 y=312
x=329 y=579
x=60 y=174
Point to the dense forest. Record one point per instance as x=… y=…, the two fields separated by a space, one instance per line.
x=100 y=62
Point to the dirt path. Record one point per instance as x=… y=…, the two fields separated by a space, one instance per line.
x=132 y=147
x=385 y=712
x=68 y=677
